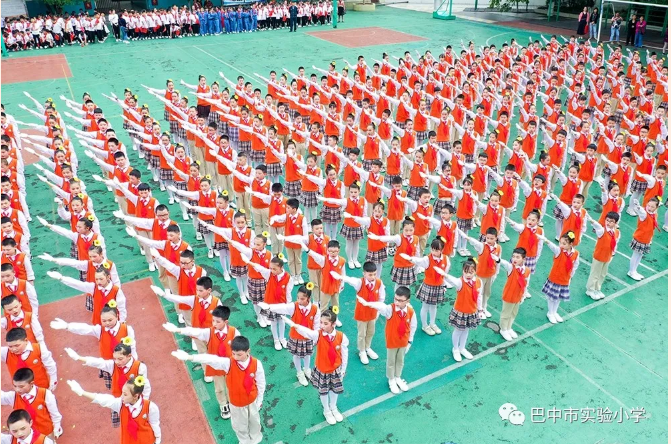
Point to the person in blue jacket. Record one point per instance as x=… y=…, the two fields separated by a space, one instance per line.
x=212 y=20
x=239 y=22
x=246 y=20
x=202 y=15
x=254 y=19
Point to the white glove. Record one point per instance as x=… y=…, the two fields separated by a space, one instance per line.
x=46 y=257
x=131 y=232
x=118 y=214
x=181 y=355
x=154 y=253
x=288 y=321
x=157 y=290
x=407 y=257
x=58 y=431
x=89 y=154
x=55 y=275
x=172 y=328
x=42 y=221
x=72 y=354
x=59 y=324
x=97 y=178
x=263 y=306
x=42 y=178
x=75 y=387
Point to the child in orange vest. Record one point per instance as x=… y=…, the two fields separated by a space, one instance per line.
x=355 y=205
x=573 y=217
x=446 y=183
x=246 y=383
x=102 y=289
x=330 y=362
x=295 y=234
x=122 y=366
x=606 y=245
x=467 y=310
x=371 y=288
x=310 y=185
x=565 y=263
x=204 y=197
x=20 y=353
x=421 y=210
x=528 y=240
x=138 y=416
x=466 y=208
x=15 y=316
x=489 y=256
x=588 y=164
x=40 y=403
x=399 y=333
x=22 y=429
x=536 y=196
x=432 y=291
x=331 y=214
x=493 y=215
x=279 y=286
x=303 y=312
x=330 y=287
x=642 y=238
x=403 y=271
x=218 y=338
x=20 y=260
x=446 y=229
x=513 y=291
x=377 y=224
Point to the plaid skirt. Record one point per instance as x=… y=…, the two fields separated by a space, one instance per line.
x=116 y=420
x=377 y=257
x=164 y=174
x=221 y=246
x=430 y=294
x=73 y=251
x=300 y=347
x=271 y=316
x=639 y=247
x=309 y=198
x=180 y=186
x=177 y=131
x=403 y=275
x=274 y=169
x=413 y=193
x=556 y=292
x=464 y=320
x=465 y=225
x=107 y=379
x=234 y=135
x=202 y=229
x=257 y=156
x=125 y=126
x=166 y=115
x=213 y=118
x=557 y=213
x=331 y=215
x=346 y=150
x=292 y=189
x=469 y=158
x=388 y=180
x=421 y=136
x=238 y=271
x=482 y=237
x=256 y=289
x=351 y=233
x=292 y=114
x=245 y=147
x=367 y=164
x=638 y=187
x=88 y=304
x=445 y=145
x=195 y=204
x=326 y=382
x=154 y=161
x=439 y=204
x=530 y=262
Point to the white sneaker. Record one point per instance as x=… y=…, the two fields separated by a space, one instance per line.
x=631 y=212
x=216 y=253
x=225 y=412
x=278 y=346
x=456 y=355
x=300 y=279
x=171 y=200
x=262 y=321
x=600 y=295
x=512 y=334
x=210 y=253
x=350 y=265
x=363 y=357
x=559 y=318
x=428 y=330
x=337 y=415
x=338 y=323
x=635 y=276
x=488 y=314
x=464 y=252
x=152 y=267
x=402 y=384
x=371 y=354
x=308 y=372
x=295 y=279
x=357 y=264
x=193 y=346
x=243 y=299
x=551 y=318
x=199 y=236
x=435 y=329
x=141 y=251
x=283 y=342
x=208 y=379
x=227 y=277
x=302 y=379
x=394 y=387
x=506 y=335
x=329 y=417
x=185 y=216
x=466 y=354
x=592 y=294
x=180 y=319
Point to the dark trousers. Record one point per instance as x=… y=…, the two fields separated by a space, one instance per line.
x=630 y=37
x=292 y=23
x=117 y=33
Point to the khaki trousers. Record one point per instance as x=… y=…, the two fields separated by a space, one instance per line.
x=147 y=250
x=246 y=424
x=225 y=182
x=243 y=201
x=597 y=274
x=163 y=276
x=295 y=262
x=395 y=360
x=486 y=290
x=261 y=217
x=365 y=332
x=275 y=245
x=316 y=279
x=394 y=227
x=422 y=242
x=508 y=314
x=328 y=299
x=221 y=390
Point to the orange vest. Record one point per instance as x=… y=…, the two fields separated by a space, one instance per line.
x=534 y=202
x=562 y=266
x=486 y=266
x=263 y=189
x=396 y=208
x=432 y=278
x=107 y=341
x=242 y=389
x=100 y=300
x=329 y=355
x=446 y=232
x=119 y=377
x=397 y=329
x=529 y=241
x=276 y=289
x=329 y=285
x=33 y=362
x=278 y=209
x=308 y=185
x=362 y=313
x=37 y=409
x=140 y=432
x=317 y=247
x=19 y=264
x=516 y=285
x=575 y=223
x=219 y=347
x=186 y=286
x=306 y=320
x=645 y=229
x=355 y=209
x=20 y=293
x=25 y=324
x=208 y=200
x=467 y=297
x=606 y=245
x=202 y=317
x=407 y=247
x=379 y=228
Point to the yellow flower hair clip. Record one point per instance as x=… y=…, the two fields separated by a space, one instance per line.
x=442 y=239
x=335 y=309
x=80 y=195
x=265 y=234
x=310 y=286
x=500 y=192
x=224 y=193
x=128 y=341
x=208 y=177
x=50 y=100
x=260 y=116
x=169 y=80
x=475 y=260
x=139 y=381
x=76 y=179
x=111 y=304
x=91 y=217
x=198 y=162
x=97 y=243
x=241 y=211
x=571 y=235
x=106 y=265
x=281 y=256
x=358 y=183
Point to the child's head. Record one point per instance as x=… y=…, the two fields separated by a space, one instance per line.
x=317 y=227
x=304 y=295
x=408 y=227
x=491 y=235
x=240 y=348
x=577 y=202
x=612 y=218
x=519 y=254
x=20 y=424
x=11 y=305
x=240 y=220
x=132 y=389
x=122 y=353
x=369 y=271
x=220 y=317
x=204 y=287
x=446 y=212
x=468 y=268
x=401 y=297
x=437 y=246
x=277 y=265
x=109 y=315
x=333 y=248
x=23 y=380
x=652 y=205
x=566 y=240
x=328 y=320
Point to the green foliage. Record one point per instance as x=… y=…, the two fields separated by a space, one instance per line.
x=56 y=6
x=507 y=5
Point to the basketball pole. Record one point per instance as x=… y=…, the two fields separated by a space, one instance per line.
x=439 y=11
x=334 y=14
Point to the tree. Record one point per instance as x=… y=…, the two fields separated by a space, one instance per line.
x=56 y=6
x=507 y=5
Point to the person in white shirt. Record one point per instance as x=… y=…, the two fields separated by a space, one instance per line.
x=20 y=426
x=21 y=348
x=57 y=31
x=113 y=18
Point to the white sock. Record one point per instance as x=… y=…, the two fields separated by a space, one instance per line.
x=355 y=251
x=558 y=226
x=635 y=261
x=378 y=272
x=240 y=283
x=223 y=261
x=257 y=309
x=433 y=311
x=349 y=250
x=182 y=207
x=209 y=240
x=273 y=330
x=281 y=325
x=306 y=361
x=423 y=313
x=333 y=400
x=463 y=339
x=297 y=363
x=456 y=334
x=325 y=402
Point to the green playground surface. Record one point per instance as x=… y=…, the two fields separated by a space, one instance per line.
x=591 y=375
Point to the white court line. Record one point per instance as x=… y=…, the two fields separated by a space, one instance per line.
x=497 y=35
x=430 y=377
x=225 y=63
x=616 y=279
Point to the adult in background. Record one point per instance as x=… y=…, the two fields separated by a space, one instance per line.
x=583 y=19
x=122 y=28
x=293 y=17
x=341 y=11
x=113 y=18
x=640 y=31
x=631 y=30
x=615 y=23
x=594 y=24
